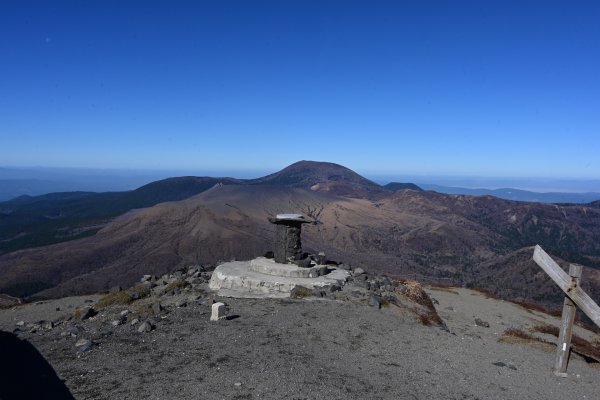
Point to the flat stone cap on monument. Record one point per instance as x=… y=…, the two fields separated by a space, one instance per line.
x=282 y=218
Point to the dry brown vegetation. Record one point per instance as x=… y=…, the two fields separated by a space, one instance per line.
x=178 y=284
x=414 y=292
x=430 y=318
x=515 y=335
x=447 y=289
x=579 y=344
x=556 y=312
x=119 y=298
x=487 y=293
x=528 y=306
x=301 y=292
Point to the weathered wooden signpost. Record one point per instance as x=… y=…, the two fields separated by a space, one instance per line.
x=574 y=296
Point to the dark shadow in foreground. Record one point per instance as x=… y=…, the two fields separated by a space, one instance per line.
x=25 y=374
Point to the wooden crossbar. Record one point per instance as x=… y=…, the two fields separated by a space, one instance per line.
x=564 y=281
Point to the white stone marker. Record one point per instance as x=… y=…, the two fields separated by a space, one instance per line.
x=218 y=312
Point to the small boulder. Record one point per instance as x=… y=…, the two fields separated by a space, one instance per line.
x=269 y=254
x=88 y=313
x=157 y=308
x=73 y=331
x=375 y=301
x=145 y=327
x=320 y=258
x=84 y=345
x=115 y=289
x=304 y=263
x=482 y=323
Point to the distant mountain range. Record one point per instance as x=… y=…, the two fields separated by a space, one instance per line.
x=15 y=182
x=518 y=195
x=475 y=241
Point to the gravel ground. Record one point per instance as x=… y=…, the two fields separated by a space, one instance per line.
x=302 y=349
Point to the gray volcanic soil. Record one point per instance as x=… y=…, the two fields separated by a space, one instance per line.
x=304 y=349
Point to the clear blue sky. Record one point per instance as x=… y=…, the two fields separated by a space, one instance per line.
x=489 y=88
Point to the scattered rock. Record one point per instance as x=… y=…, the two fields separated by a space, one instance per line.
x=180 y=303
x=194 y=298
x=115 y=289
x=84 y=345
x=320 y=258
x=157 y=308
x=480 y=322
x=358 y=271
x=145 y=327
x=304 y=263
x=501 y=364
x=88 y=313
x=103 y=334
x=146 y=278
x=375 y=301
x=269 y=254
x=72 y=330
x=20 y=323
x=135 y=321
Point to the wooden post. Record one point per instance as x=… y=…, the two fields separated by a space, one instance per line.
x=574 y=296
x=566 y=327
x=575 y=293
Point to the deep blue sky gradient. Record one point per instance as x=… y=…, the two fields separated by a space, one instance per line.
x=479 y=88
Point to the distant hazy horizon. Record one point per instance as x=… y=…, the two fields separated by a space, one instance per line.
x=105 y=179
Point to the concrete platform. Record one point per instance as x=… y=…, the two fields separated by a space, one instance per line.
x=268 y=266
x=238 y=279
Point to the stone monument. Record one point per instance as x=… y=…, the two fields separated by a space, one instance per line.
x=288 y=245
x=277 y=278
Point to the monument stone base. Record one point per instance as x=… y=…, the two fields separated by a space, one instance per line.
x=265 y=278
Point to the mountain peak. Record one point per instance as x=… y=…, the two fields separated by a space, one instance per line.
x=322 y=176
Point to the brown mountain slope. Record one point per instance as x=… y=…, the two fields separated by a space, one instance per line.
x=222 y=223
x=434 y=237
x=323 y=177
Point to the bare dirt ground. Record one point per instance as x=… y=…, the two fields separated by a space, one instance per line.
x=302 y=349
